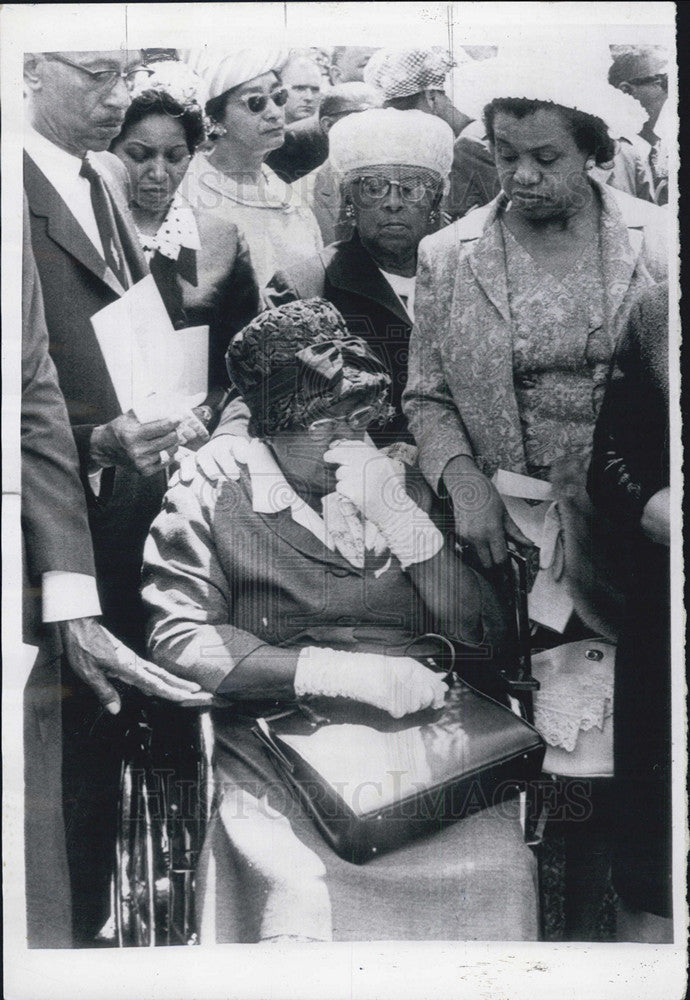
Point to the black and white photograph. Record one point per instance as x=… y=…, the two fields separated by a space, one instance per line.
x=342 y=557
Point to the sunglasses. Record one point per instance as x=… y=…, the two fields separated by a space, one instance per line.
x=358 y=420
x=257 y=103
x=374 y=188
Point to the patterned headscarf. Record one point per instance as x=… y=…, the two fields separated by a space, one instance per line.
x=292 y=363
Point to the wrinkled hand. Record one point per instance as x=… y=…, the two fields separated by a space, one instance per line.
x=656 y=517
x=398 y=685
x=132 y=445
x=93 y=653
x=215 y=461
x=371 y=480
x=480 y=514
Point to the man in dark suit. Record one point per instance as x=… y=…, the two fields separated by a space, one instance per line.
x=87 y=254
x=60 y=603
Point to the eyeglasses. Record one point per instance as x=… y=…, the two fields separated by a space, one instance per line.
x=640 y=81
x=257 y=103
x=376 y=187
x=105 y=79
x=358 y=420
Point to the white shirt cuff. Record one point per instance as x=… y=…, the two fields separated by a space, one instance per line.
x=95 y=482
x=69 y=595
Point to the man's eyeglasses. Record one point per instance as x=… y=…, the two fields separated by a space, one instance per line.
x=257 y=103
x=660 y=78
x=376 y=187
x=358 y=420
x=105 y=79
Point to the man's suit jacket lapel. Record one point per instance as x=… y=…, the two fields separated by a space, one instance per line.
x=64 y=229
x=353 y=270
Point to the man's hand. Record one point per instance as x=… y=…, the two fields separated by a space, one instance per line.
x=145 y=448
x=94 y=653
x=480 y=515
x=656 y=517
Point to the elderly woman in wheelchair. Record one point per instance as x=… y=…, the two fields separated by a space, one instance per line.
x=311 y=575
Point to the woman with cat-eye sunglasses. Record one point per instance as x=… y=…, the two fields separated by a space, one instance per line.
x=231 y=180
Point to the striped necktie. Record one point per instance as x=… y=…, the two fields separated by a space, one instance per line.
x=105 y=220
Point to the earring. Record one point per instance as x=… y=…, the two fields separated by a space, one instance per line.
x=218 y=129
x=349 y=210
x=434 y=217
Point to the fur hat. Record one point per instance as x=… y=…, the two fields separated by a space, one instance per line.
x=386 y=137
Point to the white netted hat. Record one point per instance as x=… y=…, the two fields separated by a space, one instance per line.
x=404 y=72
x=222 y=70
x=576 y=81
x=387 y=137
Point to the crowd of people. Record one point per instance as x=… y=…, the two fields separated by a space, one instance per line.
x=397 y=290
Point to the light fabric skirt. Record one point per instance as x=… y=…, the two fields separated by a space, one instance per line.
x=266 y=873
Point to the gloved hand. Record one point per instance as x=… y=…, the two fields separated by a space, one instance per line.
x=190 y=430
x=215 y=461
x=375 y=484
x=397 y=684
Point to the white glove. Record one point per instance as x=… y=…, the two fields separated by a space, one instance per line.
x=191 y=429
x=216 y=460
x=397 y=684
x=375 y=484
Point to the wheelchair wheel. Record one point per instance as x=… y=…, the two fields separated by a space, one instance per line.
x=166 y=788
x=135 y=876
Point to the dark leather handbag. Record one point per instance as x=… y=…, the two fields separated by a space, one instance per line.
x=371 y=783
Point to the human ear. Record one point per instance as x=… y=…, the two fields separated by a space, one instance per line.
x=32 y=70
x=626 y=88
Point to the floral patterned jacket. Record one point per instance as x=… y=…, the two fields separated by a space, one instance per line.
x=460 y=398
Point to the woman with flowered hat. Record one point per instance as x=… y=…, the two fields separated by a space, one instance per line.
x=201 y=265
x=310 y=575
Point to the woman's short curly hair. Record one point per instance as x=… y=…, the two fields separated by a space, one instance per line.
x=590 y=134
x=158 y=102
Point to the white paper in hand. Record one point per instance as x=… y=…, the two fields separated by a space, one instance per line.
x=156 y=371
x=529 y=503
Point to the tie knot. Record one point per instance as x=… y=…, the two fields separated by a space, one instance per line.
x=87 y=171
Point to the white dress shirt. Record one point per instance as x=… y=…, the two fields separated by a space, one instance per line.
x=403 y=288
x=61 y=169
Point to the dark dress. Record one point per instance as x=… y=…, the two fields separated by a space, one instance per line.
x=630 y=464
x=226 y=583
x=346 y=275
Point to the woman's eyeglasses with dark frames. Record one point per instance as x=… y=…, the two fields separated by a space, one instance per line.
x=257 y=103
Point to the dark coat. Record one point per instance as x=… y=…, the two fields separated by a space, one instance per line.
x=305 y=148
x=346 y=275
x=630 y=463
x=76 y=284
x=55 y=535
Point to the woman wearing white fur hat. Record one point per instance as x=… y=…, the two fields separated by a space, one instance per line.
x=392 y=166
x=246 y=107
